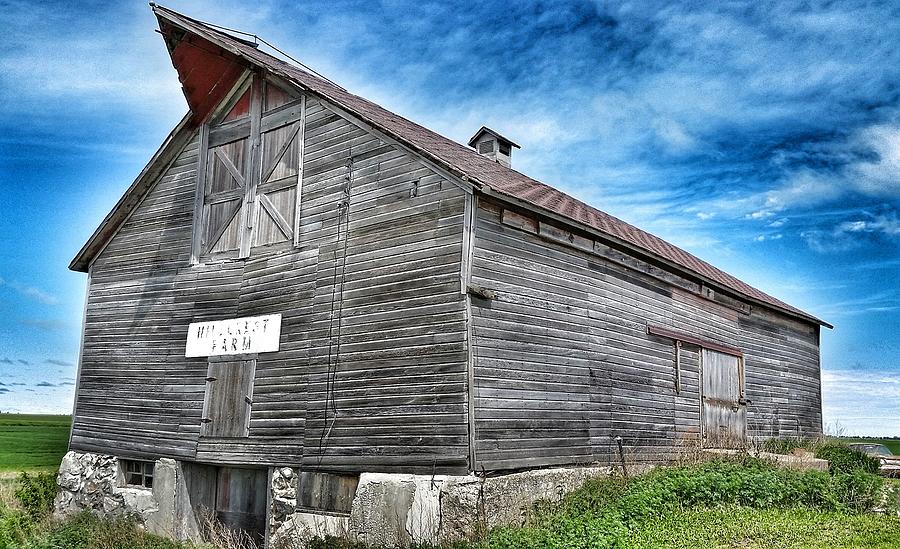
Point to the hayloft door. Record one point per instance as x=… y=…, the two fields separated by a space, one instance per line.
x=249 y=177
x=226 y=181
x=723 y=409
x=281 y=140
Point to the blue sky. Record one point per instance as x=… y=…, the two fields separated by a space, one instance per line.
x=763 y=137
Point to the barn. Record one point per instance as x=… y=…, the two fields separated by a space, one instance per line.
x=310 y=312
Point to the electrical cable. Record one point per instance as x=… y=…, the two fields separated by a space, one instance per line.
x=335 y=350
x=257 y=39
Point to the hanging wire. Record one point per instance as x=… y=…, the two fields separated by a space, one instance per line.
x=337 y=299
x=258 y=39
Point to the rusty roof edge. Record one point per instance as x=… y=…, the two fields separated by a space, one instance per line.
x=110 y=223
x=636 y=250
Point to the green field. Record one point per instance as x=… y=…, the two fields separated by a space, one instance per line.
x=32 y=442
x=893 y=444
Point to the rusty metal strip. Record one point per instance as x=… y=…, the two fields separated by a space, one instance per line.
x=688 y=338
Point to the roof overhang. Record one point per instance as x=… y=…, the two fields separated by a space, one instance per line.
x=207 y=71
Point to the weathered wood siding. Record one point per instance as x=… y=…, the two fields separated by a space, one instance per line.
x=387 y=360
x=371 y=371
x=563 y=361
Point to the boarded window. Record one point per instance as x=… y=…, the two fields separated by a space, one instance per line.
x=229 y=399
x=137 y=473
x=326 y=492
x=486 y=147
x=248 y=194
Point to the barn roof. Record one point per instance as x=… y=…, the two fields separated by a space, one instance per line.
x=484 y=174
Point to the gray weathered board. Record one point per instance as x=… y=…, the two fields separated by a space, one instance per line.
x=378 y=369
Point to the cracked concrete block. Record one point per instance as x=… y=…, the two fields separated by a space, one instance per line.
x=381 y=508
x=460 y=507
x=298 y=529
x=397 y=510
x=508 y=499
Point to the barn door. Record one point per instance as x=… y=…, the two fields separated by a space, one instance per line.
x=724 y=414
x=229 y=399
x=249 y=181
x=241 y=501
x=226 y=178
x=281 y=139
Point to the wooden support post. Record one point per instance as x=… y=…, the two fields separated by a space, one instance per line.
x=677 y=367
x=468 y=248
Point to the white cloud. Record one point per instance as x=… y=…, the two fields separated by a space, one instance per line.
x=31 y=292
x=862 y=401
x=673 y=135
x=765 y=237
x=880 y=176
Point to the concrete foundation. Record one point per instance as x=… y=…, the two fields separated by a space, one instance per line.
x=94 y=483
x=398 y=510
x=800 y=459
x=388 y=509
x=91 y=482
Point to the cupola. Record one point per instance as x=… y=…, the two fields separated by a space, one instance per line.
x=491 y=144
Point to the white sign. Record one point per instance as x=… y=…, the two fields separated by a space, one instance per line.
x=236 y=336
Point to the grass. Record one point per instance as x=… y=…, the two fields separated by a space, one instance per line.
x=32 y=442
x=741 y=504
x=747 y=528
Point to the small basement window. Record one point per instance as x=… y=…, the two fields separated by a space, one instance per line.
x=326 y=492
x=137 y=473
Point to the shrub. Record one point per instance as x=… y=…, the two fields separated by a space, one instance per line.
x=843 y=459
x=788 y=445
x=35 y=493
x=858 y=491
x=331 y=542
x=585 y=531
x=85 y=531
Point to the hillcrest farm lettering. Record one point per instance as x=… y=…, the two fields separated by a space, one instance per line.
x=236 y=336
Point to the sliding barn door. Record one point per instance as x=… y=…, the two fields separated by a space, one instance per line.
x=724 y=415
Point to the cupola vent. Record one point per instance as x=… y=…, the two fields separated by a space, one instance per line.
x=493 y=145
